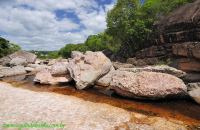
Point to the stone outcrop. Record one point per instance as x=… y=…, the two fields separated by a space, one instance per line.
x=159 y=68
x=194 y=91
x=118 y=65
x=143 y=62
x=18 y=61
x=147 y=85
x=86 y=68
x=30 y=57
x=187 y=49
x=180 y=26
x=59 y=68
x=177 y=37
x=186 y=64
x=8 y=71
x=105 y=80
x=45 y=77
x=37 y=67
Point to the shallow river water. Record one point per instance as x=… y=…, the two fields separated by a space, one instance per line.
x=185 y=110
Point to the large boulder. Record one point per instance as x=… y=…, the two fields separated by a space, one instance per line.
x=86 y=68
x=8 y=71
x=147 y=85
x=194 y=91
x=59 y=68
x=30 y=57
x=105 y=80
x=158 y=68
x=18 y=61
x=45 y=77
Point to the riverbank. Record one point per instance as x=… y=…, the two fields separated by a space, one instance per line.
x=184 y=112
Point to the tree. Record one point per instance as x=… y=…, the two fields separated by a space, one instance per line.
x=7 y=48
x=131 y=22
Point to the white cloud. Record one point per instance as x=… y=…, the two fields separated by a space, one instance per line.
x=33 y=23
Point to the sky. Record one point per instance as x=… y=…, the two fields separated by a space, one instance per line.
x=51 y=24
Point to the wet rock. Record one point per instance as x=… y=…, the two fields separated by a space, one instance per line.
x=194 y=91
x=45 y=77
x=159 y=68
x=18 y=61
x=105 y=80
x=59 y=68
x=86 y=68
x=8 y=71
x=147 y=85
x=118 y=65
x=30 y=57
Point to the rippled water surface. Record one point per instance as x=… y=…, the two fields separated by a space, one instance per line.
x=185 y=110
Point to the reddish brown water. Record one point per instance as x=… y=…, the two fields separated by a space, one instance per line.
x=185 y=110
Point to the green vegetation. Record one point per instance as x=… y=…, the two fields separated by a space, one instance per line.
x=97 y=42
x=46 y=54
x=7 y=48
x=129 y=27
x=131 y=21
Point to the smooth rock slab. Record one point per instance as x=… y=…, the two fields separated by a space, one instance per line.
x=158 y=68
x=16 y=70
x=147 y=85
x=24 y=106
x=45 y=77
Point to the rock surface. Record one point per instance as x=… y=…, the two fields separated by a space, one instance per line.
x=5 y=61
x=86 y=68
x=147 y=85
x=37 y=68
x=8 y=71
x=105 y=80
x=30 y=57
x=75 y=113
x=187 y=64
x=159 y=68
x=45 y=77
x=194 y=91
x=59 y=68
x=18 y=61
x=118 y=65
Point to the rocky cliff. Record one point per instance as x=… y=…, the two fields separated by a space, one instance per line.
x=178 y=39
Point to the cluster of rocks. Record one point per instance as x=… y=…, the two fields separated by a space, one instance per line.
x=95 y=69
x=177 y=37
x=177 y=43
